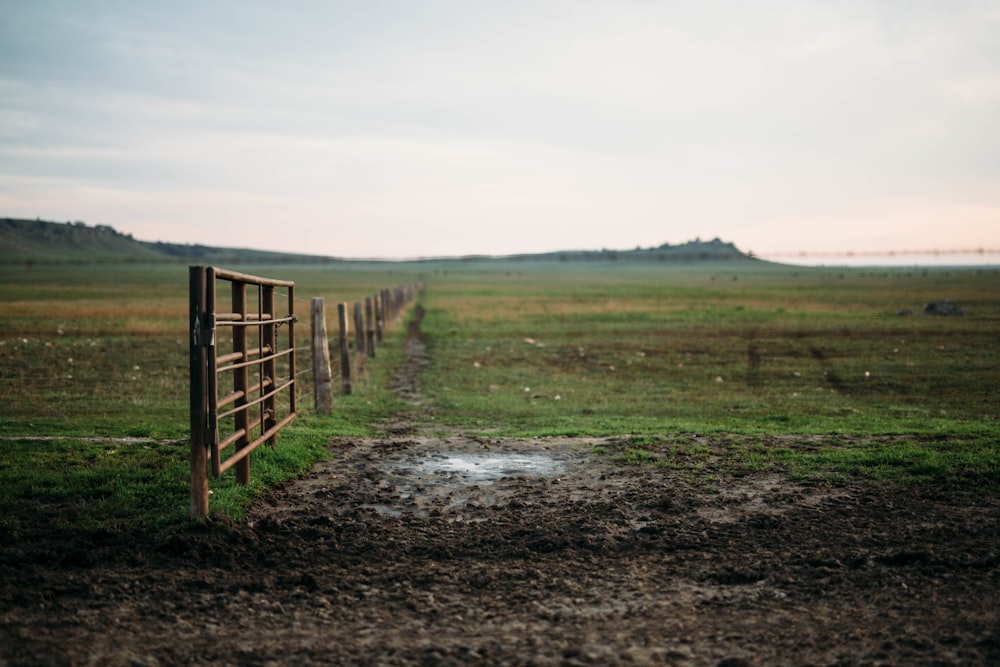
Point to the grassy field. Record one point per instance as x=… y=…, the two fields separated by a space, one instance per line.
x=544 y=350
x=519 y=348
x=94 y=365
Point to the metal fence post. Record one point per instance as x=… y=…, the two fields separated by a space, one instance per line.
x=199 y=393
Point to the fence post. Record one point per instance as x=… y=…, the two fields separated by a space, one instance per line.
x=199 y=393
x=322 y=376
x=359 y=329
x=379 y=316
x=345 y=358
x=370 y=321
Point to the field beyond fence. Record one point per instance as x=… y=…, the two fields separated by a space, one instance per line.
x=94 y=369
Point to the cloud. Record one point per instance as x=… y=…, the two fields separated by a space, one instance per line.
x=481 y=127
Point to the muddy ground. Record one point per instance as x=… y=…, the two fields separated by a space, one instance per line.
x=413 y=550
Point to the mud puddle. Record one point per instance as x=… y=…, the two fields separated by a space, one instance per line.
x=456 y=477
x=447 y=482
x=464 y=468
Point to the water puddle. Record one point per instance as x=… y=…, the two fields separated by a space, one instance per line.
x=449 y=482
x=483 y=468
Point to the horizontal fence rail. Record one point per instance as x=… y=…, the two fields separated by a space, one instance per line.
x=247 y=391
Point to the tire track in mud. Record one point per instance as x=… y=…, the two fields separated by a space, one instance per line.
x=405 y=382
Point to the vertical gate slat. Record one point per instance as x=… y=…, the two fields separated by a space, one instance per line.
x=241 y=379
x=291 y=355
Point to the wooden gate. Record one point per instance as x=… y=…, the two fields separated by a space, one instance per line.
x=242 y=376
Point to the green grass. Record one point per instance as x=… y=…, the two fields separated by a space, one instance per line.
x=778 y=351
x=743 y=351
x=65 y=483
x=911 y=460
x=970 y=462
x=101 y=351
x=733 y=350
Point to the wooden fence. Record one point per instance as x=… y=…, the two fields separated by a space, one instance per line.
x=243 y=382
x=372 y=317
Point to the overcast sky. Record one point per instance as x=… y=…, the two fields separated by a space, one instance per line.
x=429 y=128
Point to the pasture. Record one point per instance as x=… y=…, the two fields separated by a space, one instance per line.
x=745 y=349
x=95 y=370
x=92 y=352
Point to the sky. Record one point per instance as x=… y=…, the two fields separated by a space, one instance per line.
x=400 y=129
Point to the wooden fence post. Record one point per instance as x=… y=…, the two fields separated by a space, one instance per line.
x=359 y=329
x=370 y=321
x=199 y=393
x=345 y=358
x=322 y=375
x=379 y=316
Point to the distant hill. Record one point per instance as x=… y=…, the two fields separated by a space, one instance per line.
x=37 y=241
x=693 y=251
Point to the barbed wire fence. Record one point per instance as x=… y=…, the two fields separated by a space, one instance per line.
x=935 y=252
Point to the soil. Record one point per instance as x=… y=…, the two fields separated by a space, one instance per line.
x=418 y=550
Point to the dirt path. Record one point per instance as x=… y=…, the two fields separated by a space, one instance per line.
x=420 y=551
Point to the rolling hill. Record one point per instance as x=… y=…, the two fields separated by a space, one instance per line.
x=38 y=241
